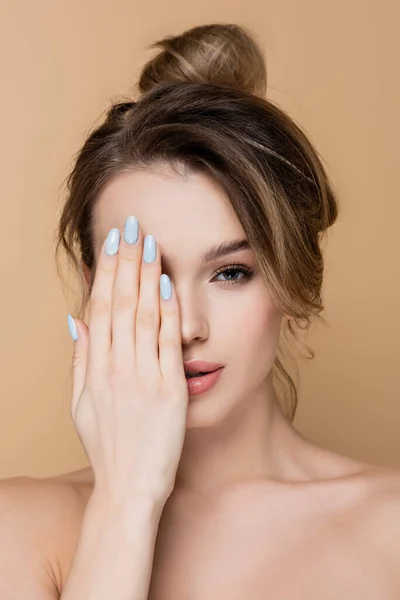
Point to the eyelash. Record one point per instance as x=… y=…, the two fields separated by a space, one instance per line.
x=247 y=272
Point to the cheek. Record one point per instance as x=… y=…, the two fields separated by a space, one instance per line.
x=261 y=337
x=251 y=324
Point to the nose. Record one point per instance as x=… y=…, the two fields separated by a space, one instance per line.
x=194 y=323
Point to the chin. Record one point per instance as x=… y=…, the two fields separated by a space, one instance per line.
x=211 y=409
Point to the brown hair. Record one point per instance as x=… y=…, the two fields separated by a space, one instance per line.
x=202 y=108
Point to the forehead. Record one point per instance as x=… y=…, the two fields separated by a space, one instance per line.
x=187 y=213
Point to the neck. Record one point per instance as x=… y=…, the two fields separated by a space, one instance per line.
x=257 y=442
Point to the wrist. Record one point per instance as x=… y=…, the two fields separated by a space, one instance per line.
x=107 y=505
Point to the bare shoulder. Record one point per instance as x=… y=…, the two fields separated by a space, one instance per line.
x=381 y=486
x=379 y=513
x=41 y=519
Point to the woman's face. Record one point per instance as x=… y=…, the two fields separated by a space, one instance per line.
x=227 y=318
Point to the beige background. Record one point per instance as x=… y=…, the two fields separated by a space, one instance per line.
x=333 y=66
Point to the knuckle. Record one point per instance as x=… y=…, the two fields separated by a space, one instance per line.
x=119 y=374
x=116 y=369
x=106 y=267
x=129 y=254
x=146 y=318
x=166 y=341
x=99 y=305
x=95 y=386
x=77 y=356
x=123 y=302
x=122 y=370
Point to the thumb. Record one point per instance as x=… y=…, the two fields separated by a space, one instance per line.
x=80 y=335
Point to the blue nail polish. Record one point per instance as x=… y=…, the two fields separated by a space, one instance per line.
x=113 y=240
x=72 y=328
x=131 y=230
x=165 y=287
x=149 y=253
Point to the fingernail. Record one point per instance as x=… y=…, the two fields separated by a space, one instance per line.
x=149 y=253
x=165 y=287
x=72 y=328
x=131 y=230
x=112 y=243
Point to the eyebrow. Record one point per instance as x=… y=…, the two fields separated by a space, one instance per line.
x=217 y=251
x=223 y=249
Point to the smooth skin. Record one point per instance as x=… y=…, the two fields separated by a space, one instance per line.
x=287 y=521
x=129 y=406
x=130 y=395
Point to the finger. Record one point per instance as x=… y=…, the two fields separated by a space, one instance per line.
x=125 y=299
x=147 y=322
x=170 y=345
x=80 y=334
x=100 y=309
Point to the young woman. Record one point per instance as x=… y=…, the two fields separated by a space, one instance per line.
x=194 y=217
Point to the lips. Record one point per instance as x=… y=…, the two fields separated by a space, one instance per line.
x=203 y=384
x=200 y=366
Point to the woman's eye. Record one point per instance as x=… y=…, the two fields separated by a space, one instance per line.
x=233 y=270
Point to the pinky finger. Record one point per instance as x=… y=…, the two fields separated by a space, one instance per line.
x=80 y=335
x=170 y=347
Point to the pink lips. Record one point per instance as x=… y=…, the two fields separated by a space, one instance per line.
x=199 y=385
x=200 y=366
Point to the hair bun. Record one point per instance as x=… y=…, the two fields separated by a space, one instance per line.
x=218 y=53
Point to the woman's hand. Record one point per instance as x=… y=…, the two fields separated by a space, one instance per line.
x=130 y=395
